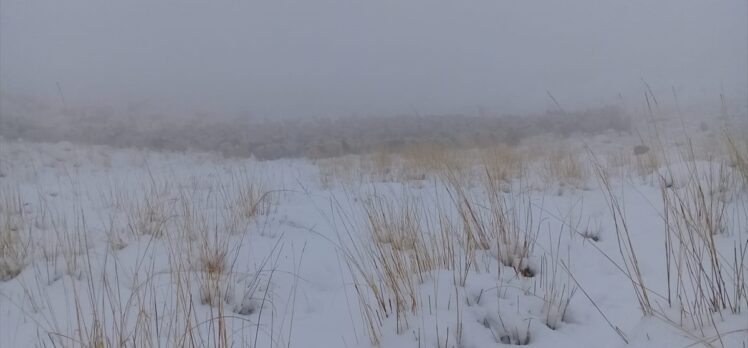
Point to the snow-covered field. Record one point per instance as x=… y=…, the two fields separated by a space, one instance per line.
x=555 y=243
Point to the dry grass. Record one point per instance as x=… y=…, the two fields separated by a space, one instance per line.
x=183 y=289
x=398 y=256
x=620 y=163
x=343 y=171
x=564 y=165
x=15 y=235
x=494 y=221
x=556 y=285
x=398 y=243
x=648 y=163
x=503 y=162
x=408 y=243
x=737 y=151
x=425 y=159
x=626 y=248
x=702 y=280
x=149 y=214
x=253 y=199
x=702 y=283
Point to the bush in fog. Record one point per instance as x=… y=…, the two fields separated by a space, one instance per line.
x=302 y=137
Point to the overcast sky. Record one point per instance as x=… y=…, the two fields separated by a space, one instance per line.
x=299 y=57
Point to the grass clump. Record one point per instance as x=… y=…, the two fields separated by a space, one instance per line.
x=15 y=231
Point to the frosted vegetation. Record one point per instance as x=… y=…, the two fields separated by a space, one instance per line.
x=243 y=136
x=442 y=231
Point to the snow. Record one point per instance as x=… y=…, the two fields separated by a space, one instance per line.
x=288 y=279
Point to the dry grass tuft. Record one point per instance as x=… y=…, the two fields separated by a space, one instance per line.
x=503 y=162
x=149 y=215
x=701 y=280
x=407 y=243
x=737 y=152
x=564 y=165
x=494 y=221
x=15 y=233
x=184 y=287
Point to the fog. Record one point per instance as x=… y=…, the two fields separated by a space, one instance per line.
x=335 y=57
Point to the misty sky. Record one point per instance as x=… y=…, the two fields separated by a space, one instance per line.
x=299 y=57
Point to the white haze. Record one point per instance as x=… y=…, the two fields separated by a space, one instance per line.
x=335 y=57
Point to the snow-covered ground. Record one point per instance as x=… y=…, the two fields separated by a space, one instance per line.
x=564 y=248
